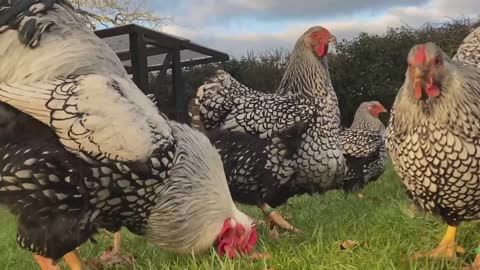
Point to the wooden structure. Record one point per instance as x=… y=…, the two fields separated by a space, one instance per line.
x=143 y=50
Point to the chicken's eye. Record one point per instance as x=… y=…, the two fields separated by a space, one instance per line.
x=438 y=60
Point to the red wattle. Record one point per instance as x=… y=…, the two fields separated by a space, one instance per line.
x=230 y=252
x=222 y=247
x=253 y=237
x=321 y=50
x=433 y=90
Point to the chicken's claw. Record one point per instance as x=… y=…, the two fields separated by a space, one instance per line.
x=111 y=256
x=276 y=219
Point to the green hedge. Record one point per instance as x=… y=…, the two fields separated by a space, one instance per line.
x=368 y=67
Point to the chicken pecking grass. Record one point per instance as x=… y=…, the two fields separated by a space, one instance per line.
x=378 y=222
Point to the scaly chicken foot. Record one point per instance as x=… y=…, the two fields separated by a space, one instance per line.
x=73 y=260
x=45 y=263
x=272 y=230
x=446 y=249
x=114 y=255
x=275 y=219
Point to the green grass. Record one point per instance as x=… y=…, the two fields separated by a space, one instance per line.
x=380 y=222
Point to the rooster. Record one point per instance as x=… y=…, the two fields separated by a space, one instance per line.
x=110 y=160
x=364 y=146
x=433 y=135
x=225 y=104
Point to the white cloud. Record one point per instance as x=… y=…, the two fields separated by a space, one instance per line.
x=237 y=38
x=216 y=10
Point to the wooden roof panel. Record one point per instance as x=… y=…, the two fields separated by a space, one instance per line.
x=158 y=44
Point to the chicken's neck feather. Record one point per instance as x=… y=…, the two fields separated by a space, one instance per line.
x=306 y=75
x=196 y=188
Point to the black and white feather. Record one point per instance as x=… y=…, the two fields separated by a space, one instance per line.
x=365 y=153
x=434 y=143
x=260 y=171
x=226 y=104
x=364 y=148
x=106 y=158
x=468 y=53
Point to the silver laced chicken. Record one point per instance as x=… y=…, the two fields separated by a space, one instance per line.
x=433 y=135
x=225 y=104
x=364 y=147
x=110 y=160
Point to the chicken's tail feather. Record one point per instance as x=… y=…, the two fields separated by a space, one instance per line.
x=213 y=85
x=215 y=99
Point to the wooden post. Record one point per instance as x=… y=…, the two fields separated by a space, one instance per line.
x=179 y=89
x=162 y=73
x=138 y=53
x=160 y=82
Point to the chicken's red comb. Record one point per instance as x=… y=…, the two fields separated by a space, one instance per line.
x=325 y=33
x=420 y=55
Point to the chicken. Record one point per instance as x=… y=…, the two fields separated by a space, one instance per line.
x=111 y=159
x=364 y=146
x=433 y=135
x=226 y=104
x=366 y=117
x=363 y=142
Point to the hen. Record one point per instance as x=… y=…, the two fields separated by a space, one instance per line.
x=433 y=135
x=364 y=146
x=317 y=161
x=110 y=160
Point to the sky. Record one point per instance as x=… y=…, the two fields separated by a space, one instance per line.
x=239 y=26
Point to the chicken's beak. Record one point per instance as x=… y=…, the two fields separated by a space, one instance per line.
x=382 y=109
x=424 y=83
x=419 y=72
x=419 y=75
x=332 y=39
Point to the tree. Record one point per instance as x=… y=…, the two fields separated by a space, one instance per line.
x=368 y=67
x=107 y=13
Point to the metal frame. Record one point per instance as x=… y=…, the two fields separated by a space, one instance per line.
x=145 y=42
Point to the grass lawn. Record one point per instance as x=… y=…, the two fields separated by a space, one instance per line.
x=380 y=222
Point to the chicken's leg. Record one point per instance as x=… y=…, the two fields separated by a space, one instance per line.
x=45 y=263
x=275 y=219
x=447 y=247
x=113 y=256
x=74 y=261
x=116 y=242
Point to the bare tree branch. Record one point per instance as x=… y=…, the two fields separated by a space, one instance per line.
x=107 y=13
